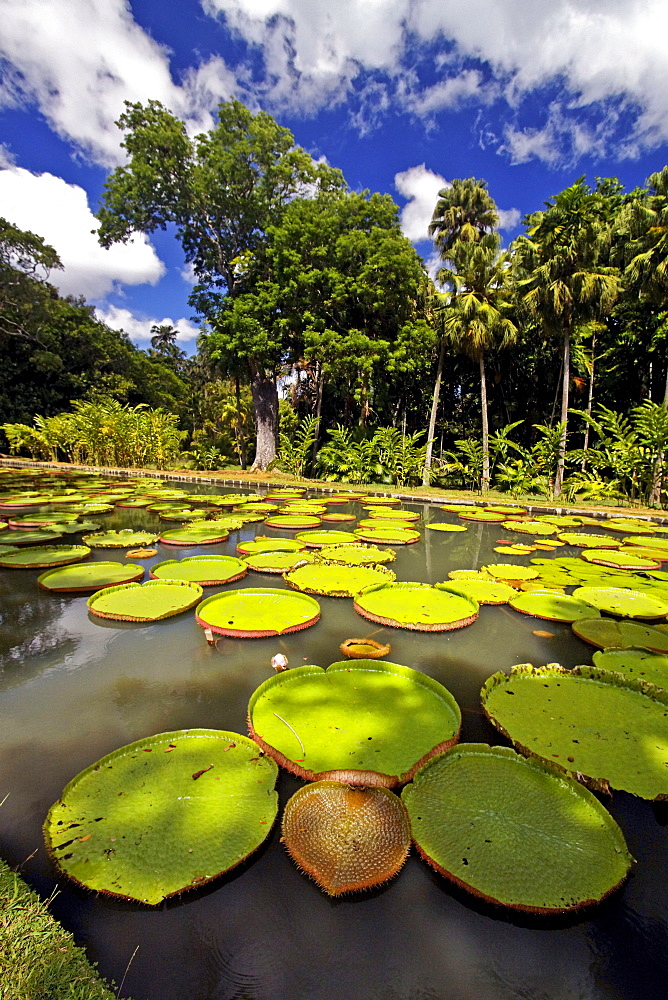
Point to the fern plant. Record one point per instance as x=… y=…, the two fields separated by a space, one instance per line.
x=295 y=450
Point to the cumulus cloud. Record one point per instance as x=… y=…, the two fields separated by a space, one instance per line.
x=140 y=329
x=420 y=187
x=79 y=60
x=59 y=213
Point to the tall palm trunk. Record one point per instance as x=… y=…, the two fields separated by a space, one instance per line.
x=318 y=410
x=238 y=425
x=590 y=401
x=426 y=472
x=484 y=483
x=559 y=479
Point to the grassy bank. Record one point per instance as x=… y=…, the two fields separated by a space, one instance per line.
x=38 y=958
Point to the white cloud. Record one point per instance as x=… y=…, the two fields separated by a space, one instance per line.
x=509 y=218
x=59 y=213
x=140 y=329
x=420 y=186
x=78 y=60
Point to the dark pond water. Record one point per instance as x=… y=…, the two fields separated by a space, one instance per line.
x=73 y=688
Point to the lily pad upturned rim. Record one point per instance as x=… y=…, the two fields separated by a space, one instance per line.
x=371 y=593
x=236 y=569
x=549 y=779
x=230 y=596
x=636 y=686
x=60 y=575
x=267 y=809
x=374 y=650
x=192 y=594
x=348 y=775
x=43 y=556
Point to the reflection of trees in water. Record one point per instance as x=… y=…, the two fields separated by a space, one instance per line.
x=30 y=632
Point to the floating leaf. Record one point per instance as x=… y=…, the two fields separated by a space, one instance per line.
x=207 y=571
x=145 y=602
x=257 y=612
x=417 y=606
x=89 y=576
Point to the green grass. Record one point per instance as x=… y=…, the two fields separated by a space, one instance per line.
x=38 y=958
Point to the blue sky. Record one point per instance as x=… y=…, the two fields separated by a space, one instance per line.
x=402 y=95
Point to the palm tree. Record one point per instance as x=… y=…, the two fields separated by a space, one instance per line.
x=562 y=280
x=476 y=318
x=465 y=212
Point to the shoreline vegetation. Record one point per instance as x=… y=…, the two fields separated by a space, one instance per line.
x=39 y=959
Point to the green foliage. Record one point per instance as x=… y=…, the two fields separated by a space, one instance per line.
x=387 y=457
x=102 y=433
x=295 y=450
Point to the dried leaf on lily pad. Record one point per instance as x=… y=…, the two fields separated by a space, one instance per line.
x=346 y=839
x=417 y=606
x=363 y=722
x=336 y=579
x=514 y=831
x=145 y=602
x=608 y=730
x=606 y=633
x=136 y=825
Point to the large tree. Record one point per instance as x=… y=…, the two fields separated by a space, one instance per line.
x=25 y=264
x=220 y=191
x=563 y=278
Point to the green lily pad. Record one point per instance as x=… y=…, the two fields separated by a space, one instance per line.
x=628 y=603
x=37 y=537
x=514 y=550
x=638 y=663
x=257 y=612
x=145 y=602
x=482 y=515
x=336 y=579
x=208 y=571
x=253 y=546
x=124 y=539
x=275 y=562
x=514 y=831
x=363 y=722
x=507 y=571
x=337 y=518
x=417 y=606
x=633 y=527
x=618 y=560
x=606 y=633
x=561 y=520
x=553 y=607
x=530 y=527
x=485 y=591
x=211 y=535
x=645 y=552
x=164 y=814
x=587 y=541
x=89 y=576
x=358 y=555
x=318 y=539
x=292 y=522
x=389 y=535
x=444 y=526
x=43 y=555
x=372 y=502
x=610 y=730
x=655 y=543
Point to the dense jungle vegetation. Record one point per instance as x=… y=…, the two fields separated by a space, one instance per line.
x=326 y=349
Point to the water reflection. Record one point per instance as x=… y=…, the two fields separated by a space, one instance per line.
x=73 y=689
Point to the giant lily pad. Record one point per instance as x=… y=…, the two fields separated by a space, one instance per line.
x=258 y=612
x=336 y=579
x=123 y=539
x=208 y=571
x=639 y=663
x=363 y=722
x=253 y=546
x=36 y=537
x=508 y=572
x=318 y=539
x=655 y=543
x=145 y=602
x=628 y=603
x=275 y=562
x=610 y=730
x=514 y=831
x=388 y=536
x=553 y=607
x=484 y=591
x=606 y=633
x=346 y=838
x=89 y=576
x=417 y=606
x=444 y=526
x=395 y=515
x=210 y=535
x=358 y=554
x=293 y=522
x=164 y=814
x=618 y=560
x=40 y=556
x=587 y=541
x=530 y=527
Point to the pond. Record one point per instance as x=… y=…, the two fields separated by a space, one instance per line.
x=74 y=687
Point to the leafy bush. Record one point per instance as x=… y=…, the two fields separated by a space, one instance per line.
x=387 y=457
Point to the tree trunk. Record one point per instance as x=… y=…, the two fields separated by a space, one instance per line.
x=318 y=411
x=426 y=472
x=559 y=478
x=590 y=401
x=484 y=483
x=265 y=404
x=238 y=428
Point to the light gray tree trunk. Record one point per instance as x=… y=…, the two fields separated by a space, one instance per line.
x=426 y=473
x=484 y=483
x=559 y=479
x=265 y=404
